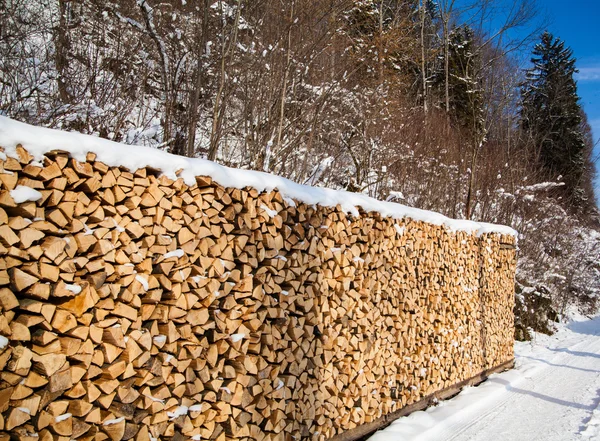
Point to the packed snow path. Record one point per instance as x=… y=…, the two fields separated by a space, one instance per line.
x=552 y=395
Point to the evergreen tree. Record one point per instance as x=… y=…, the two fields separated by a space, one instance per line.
x=465 y=93
x=551 y=120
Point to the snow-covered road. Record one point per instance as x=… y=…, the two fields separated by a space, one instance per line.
x=552 y=395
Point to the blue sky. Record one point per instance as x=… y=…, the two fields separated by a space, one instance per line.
x=577 y=23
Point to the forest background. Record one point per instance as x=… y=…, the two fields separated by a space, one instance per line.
x=463 y=107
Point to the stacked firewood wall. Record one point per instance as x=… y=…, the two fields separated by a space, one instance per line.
x=136 y=307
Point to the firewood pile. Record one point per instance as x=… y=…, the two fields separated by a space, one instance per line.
x=135 y=307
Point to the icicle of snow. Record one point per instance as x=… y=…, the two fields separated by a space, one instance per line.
x=3 y=342
x=237 y=337
x=270 y=213
x=27 y=411
x=143 y=282
x=114 y=421
x=76 y=289
x=289 y=201
x=280 y=384
x=195 y=408
x=400 y=230
x=119 y=228
x=197 y=279
x=25 y=194
x=176 y=253
x=180 y=411
x=156 y=400
x=160 y=339
x=63 y=417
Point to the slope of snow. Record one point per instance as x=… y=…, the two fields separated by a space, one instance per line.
x=38 y=141
x=553 y=394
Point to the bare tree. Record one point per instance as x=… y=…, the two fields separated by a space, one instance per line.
x=228 y=37
x=201 y=53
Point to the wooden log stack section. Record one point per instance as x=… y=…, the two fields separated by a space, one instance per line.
x=135 y=307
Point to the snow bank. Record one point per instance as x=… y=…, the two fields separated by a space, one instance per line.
x=38 y=141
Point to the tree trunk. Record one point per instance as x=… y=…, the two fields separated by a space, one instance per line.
x=446 y=64
x=423 y=63
x=62 y=45
x=284 y=85
x=199 y=80
x=219 y=107
x=446 y=10
x=165 y=70
x=380 y=44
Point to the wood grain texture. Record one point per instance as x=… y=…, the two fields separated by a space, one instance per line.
x=137 y=307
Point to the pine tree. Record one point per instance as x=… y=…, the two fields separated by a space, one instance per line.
x=551 y=118
x=465 y=93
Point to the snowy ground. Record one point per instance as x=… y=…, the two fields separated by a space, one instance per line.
x=552 y=395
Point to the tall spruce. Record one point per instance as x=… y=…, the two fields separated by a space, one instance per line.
x=465 y=93
x=551 y=120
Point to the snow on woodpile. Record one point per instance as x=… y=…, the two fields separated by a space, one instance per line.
x=38 y=141
x=235 y=304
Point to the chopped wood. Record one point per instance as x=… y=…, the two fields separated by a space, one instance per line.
x=136 y=307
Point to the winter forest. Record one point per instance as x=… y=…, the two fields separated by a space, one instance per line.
x=432 y=104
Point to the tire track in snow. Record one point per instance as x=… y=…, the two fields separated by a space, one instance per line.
x=591 y=426
x=552 y=395
x=463 y=423
x=561 y=358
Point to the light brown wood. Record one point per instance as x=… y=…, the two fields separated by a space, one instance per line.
x=20 y=280
x=264 y=312
x=17 y=417
x=48 y=364
x=8 y=300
